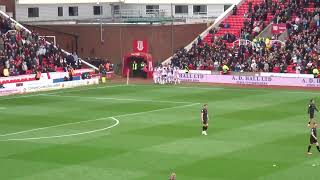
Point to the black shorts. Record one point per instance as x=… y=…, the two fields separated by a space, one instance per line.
x=313 y=140
x=311 y=116
x=205 y=121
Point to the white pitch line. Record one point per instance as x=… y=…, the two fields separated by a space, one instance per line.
x=48 y=127
x=156 y=110
x=67 y=135
x=118 y=99
x=103 y=118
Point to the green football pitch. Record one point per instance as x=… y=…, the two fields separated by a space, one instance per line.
x=145 y=132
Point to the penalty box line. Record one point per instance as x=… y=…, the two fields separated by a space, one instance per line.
x=91 y=120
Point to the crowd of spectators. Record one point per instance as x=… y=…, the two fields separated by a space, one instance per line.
x=300 y=53
x=255 y=19
x=106 y=66
x=22 y=52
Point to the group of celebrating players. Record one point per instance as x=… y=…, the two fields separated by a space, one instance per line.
x=166 y=75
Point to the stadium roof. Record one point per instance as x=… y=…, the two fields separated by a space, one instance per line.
x=128 y=1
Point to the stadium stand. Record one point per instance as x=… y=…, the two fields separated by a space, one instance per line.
x=246 y=21
x=299 y=54
x=25 y=52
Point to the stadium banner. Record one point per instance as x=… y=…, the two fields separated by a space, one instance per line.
x=250 y=80
x=140 y=46
x=110 y=75
x=266 y=74
x=278 y=28
x=70 y=84
x=52 y=86
x=28 y=83
x=83 y=70
x=44 y=85
x=40 y=87
x=9 y=91
x=44 y=76
x=57 y=75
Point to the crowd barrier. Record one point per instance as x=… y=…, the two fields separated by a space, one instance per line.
x=51 y=75
x=35 y=86
x=250 y=80
x=47 y=82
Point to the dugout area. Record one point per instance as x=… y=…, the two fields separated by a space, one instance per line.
x=138 y=58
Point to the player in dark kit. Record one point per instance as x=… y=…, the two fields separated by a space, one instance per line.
x=313 y=137
x=204 y=119
x=311 y=109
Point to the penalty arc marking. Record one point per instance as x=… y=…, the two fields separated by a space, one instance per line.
x=68 y=135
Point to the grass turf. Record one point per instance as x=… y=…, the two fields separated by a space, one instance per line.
x=159 y=132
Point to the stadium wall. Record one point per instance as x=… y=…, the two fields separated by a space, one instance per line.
x=163 y=40
x=10 y=6
x=48 y=12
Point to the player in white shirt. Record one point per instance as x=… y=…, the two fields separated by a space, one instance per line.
x=164 y=77
x=156 y=75
x=170 y=75
x=176 y=75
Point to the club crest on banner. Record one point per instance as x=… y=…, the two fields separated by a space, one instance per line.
x=140 y=46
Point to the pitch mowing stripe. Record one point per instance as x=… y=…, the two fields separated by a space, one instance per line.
x=84 y=89
x=48 y=127
x=85 y=172
x=99 y=119
x=294 y=171
x=117 y=99
x=68 y=135
x=180 y=87
x=234 y=89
